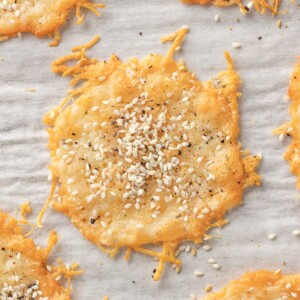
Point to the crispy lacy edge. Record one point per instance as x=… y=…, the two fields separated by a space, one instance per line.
x=255 y=279
x=293 y=151
x=261 y=6
x=25 y=245
x=87 y=4
x=79 y=72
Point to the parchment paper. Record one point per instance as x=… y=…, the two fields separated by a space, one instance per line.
x=264 y=65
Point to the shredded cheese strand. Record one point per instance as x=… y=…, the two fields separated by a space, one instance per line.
x=177 y=37
x=56 y=39
x=87 y=45
x=46 y=205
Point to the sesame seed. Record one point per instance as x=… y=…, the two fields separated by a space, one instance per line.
x=216 y=266
x=128 y=205
x=217 y=18
x=49 y=268
x=296 y=232
x=199 y=159
x=208 y=288
x=170 y=94
x=281 y=137
x=294 y=295
x=206 y=247
x=193 y=297
x=212 y=261
x=236 y=45
x=205 y=210
x=288 y=286
x=271 y=236
x=290 y=130
x=102 y=78
x=198 y=273
x=250 y=5
x=278 y=271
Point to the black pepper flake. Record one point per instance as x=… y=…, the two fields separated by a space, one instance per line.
x=140 y=33
x=93 y=221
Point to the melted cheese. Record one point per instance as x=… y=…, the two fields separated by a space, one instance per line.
x=260 y=285
x=23 y=265
x=147 y=153
x=40 y=17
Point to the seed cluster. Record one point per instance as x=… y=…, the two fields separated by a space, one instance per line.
x=15 y=8
x=17 y=290
x=138 y=151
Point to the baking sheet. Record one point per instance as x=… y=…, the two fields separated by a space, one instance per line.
x=265 y=66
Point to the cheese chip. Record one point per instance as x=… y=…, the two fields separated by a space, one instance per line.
x=23 y=266
x=40 y=17
x=146 y=153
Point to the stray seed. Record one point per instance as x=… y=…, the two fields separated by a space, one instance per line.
x=198 y=273
x=206 y=247
x=236 y=45
x=296 y=232
x=271 y=236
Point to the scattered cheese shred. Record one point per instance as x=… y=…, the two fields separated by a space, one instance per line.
x=262 y=6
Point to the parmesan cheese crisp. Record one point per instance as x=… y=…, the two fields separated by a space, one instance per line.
x=264 y=285
x=23 y=266
x=40 y=17
x=145 y=153
x=292 y=128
